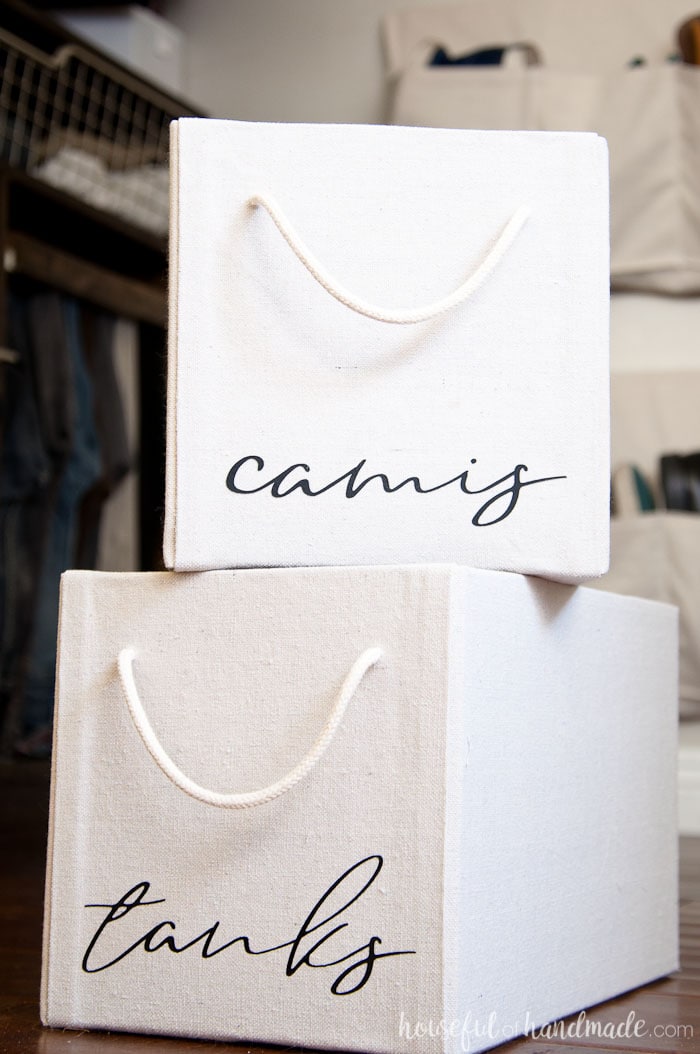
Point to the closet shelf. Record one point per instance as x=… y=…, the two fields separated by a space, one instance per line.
x=49 y=237
x=127 y=296
x=77 y=120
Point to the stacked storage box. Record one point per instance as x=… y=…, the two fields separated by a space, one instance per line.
x=368 y=769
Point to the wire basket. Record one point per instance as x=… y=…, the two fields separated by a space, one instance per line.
x=85 y=125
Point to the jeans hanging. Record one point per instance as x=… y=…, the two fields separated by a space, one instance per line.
x=25 y=503
x=81 y=469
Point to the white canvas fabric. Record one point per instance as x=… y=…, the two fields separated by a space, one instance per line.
x=387 y=345
x=492 y=799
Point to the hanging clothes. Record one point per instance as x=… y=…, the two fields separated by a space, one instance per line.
x=26 y=475
x=80 y=470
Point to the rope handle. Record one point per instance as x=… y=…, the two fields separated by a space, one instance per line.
x=249 y=798
x=399 y=316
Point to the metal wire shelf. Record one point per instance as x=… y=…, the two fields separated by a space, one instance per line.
x=85 y=125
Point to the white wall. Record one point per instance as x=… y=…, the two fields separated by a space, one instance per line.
x=285 y=60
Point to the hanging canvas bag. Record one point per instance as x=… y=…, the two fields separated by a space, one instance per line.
x=387 y=345
x=591 y=36
x=605 y=68
x=650 y=119
x=378 y=809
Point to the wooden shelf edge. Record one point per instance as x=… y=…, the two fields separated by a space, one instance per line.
x=124 y=296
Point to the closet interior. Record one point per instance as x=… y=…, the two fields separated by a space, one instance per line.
x=83 y=301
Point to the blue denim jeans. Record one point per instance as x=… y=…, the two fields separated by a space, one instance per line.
x=25 y=501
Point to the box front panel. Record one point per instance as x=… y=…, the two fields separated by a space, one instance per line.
x=315 y=918
x=310 y=434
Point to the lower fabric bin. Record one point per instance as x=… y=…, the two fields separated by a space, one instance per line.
x=376 y=809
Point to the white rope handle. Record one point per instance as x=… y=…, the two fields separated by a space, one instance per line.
x=247 y=799
x=399 y=316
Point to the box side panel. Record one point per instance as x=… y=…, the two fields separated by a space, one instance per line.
x=568 y=834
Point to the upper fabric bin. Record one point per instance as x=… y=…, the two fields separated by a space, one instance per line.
x=388 y=345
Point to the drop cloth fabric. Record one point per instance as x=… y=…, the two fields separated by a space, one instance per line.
x=301 y=432
x=503 y=774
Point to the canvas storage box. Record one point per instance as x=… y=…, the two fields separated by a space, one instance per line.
x=352 y=802
x=387 y=345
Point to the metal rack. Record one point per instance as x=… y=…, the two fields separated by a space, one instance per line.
x=88 y=127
